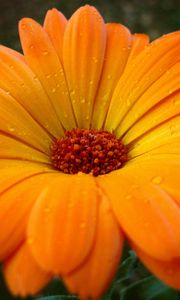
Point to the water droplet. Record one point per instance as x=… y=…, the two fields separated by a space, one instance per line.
x=48 y=76
x=128 y=197
x=22 y=84
x=83 y=225
x=55 y=74
x=83 y=100
x=53 y=90
x=109 y=76
x=35 y=78
x=72 y=92
x=45 y=52
x=177 y=102
x=157 y=179
x=31 y=47
x=11 y=66
x=8 y=93
x=11 y=129
x=23 y=26
x=30 y=241
x=87 y=118
x=137 y=115
x=90 y=82
x=128 y=102
x=95 y=60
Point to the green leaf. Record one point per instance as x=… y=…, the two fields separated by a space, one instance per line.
x=149 y=288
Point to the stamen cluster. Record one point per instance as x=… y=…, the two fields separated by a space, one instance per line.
x=86 y=151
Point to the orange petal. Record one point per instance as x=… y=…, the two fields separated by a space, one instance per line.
x=11 y=148
x=140 y=74
x=17 y=79
x=22 y=274
x=44 y=61
x=157 y=136
x=167 y=271
x=12 y=52
x=66 y=206
x=13 y=170
x=17 y=123
x=140 y=205
x=139 y=42
x=117 y=50
x=16 y=203
x=161 y=168
x=93 y=277
x=156 y=102
x=83 y=56
x=55 y=24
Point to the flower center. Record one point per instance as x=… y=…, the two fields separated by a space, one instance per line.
x=86 y=151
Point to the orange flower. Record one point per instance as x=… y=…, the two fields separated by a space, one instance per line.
x=88 y=97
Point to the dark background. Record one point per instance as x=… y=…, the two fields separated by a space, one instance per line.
x=154 y=17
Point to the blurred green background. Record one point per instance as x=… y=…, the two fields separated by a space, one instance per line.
x=154 y=17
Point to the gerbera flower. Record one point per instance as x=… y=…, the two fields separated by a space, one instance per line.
x=89 y=153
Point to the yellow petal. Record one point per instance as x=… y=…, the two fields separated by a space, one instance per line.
x=157 y=136
x=140 y=74
x=93 y=277
x=157 y=100
x=44 y=61
x=117 y=50
x=14 y=170
x=16 y=122
x=55 y=24
x=22 y=274
x=12 y=148
x=17 y=79
x=66 y=206
x=83 y=56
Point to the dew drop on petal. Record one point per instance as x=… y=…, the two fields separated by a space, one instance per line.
x=177 y=102
x=83 y=225
x=45 y=52
x=30 y=241
x=48 y=76
x=83 y=100
x=11 y=129
x=128 y=197
x=157 y=179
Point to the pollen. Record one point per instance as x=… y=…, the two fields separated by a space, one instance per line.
x=88 y=151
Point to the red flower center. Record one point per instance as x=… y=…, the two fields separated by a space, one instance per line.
x=86 y=151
